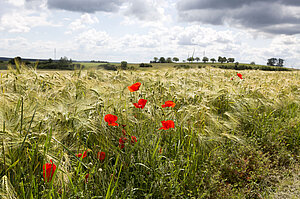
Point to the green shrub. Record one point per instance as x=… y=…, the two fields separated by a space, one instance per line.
x=145 y=65
x=124 y=65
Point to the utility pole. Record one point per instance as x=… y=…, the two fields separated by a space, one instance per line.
x=54 y=54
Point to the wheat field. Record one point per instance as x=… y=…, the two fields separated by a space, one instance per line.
x=233 y=137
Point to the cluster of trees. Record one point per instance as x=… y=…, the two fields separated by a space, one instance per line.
x=164 y=60
x=191 y=59
x=62 y=64
x=275 y=62
x=94 y=61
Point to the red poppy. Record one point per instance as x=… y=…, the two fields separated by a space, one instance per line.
x=239 y=75
x=167 y=124
x=101 y=156
x=133 y=139
x=86 y=177
x=141 y=103
x=111 y=120
x=134 y=87
x=48 y=171
x=168 y=104
x=84 y=155
x=123 y=131
x=122 y=141
x=231 y=79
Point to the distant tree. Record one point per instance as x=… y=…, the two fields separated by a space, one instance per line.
x=230 y=60
x=197 y=59
x=190 y=59
x=162 y=60
x=50 y=60
x=124 y=65
x=275 y=62
x=155 y=59
x=205 y=59
x=220 y=59
x=280 y=62
x=213 y=60
x=175 y=59
x=252 y=63
x=169 y=60
x=272 y=62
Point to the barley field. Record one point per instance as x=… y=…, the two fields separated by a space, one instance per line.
x=78 y=134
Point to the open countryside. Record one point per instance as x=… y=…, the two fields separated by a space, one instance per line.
x=149 y=99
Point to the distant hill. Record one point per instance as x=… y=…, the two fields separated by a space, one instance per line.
x=24 y=59
x=34 y=60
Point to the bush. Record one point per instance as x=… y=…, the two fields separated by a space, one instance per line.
x=124 y=65
x=182 y=66
x=145 y=65
x=201 y=66
x=108 y=67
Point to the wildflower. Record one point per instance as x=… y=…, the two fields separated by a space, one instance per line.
x=83 y=156
x=168 y=104
x=124 y=132
x=122 y=141
x=141 y=103
x=111 y=120
x=101 y=156
x=48 y=171
x=133 y=139
x=134 y=87
x=167 y=124
x=239 y=75
x=231 y=79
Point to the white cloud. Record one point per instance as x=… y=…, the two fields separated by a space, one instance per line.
x=16 y=2
x=82 y=22
x=22 y=21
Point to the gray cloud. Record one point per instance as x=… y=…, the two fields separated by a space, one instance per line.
x=89 y=6
x=271 y=16
x=143 y=10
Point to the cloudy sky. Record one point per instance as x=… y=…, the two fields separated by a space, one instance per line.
x=138 y=30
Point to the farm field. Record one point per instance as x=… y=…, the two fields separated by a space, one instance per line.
x=232 y=138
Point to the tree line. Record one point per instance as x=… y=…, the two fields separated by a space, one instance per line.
x=192 y=59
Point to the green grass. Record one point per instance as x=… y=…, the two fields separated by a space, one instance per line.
x=232 y=138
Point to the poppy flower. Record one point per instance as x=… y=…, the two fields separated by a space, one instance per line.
x=111 y=120
x=80 y=154
x=101 y=156
x=239 y=75
x=122 y=141
x=86 y=177
x=231 y=79
x=134 y=87
x=141 y=103
x=167 y=124
x=48 y=171
x=133 y=139
x=168 y=104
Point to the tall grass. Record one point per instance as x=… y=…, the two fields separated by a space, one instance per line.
x=230 y=139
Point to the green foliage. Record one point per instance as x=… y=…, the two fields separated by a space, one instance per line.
x=251 y=67
x=145 y=65
x=124 y=65
x=185 y=66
